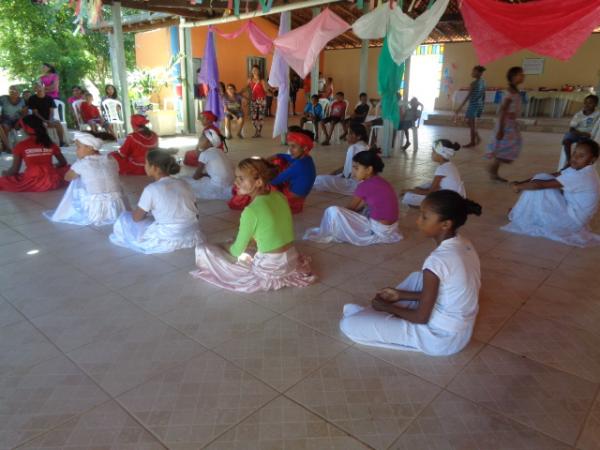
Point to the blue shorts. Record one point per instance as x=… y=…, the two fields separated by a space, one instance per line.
x=573 y=137
x=473 y=111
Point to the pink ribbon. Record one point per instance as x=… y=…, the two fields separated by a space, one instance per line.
x=260 y=40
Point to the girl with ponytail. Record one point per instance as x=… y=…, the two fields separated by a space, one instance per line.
x=171 y=203
x=36 y=151
x=432 y=311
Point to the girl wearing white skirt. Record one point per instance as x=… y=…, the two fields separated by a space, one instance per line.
x=171 y=202
x=94 y=195
x=432 y=311
x=372 y=215
x=446 y=175
x=265 y=222
x=560 y=206
x=340 y=180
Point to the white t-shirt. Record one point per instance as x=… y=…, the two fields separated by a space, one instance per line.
x=99 y=174
x=217 y=166
x=360 y=146
x=451 y=178
x=584 y=123
x=581 y=189
x=170 y=200
x=456 y=264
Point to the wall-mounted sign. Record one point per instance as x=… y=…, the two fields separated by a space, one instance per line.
x=533 y=66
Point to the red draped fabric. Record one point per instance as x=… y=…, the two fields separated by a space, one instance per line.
x=555 y=28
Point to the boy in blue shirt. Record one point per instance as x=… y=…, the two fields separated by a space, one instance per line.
x=313 y=112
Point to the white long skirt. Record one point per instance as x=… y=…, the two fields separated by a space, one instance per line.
x=343 y=225
x=379 y=329
x=412 y=199
x=335 y=183
x=209 y=189
x=148 y=237
x=263 y=272
x=544 y=213
x=80 y=208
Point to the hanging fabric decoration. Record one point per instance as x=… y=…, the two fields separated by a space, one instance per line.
x=360 y=4
x=403 y=32
x=260 y=40
x=236 y=8
x=301 y=46
x=389 y=81
x=548 y=27
x=280 y=78
x=209 y=75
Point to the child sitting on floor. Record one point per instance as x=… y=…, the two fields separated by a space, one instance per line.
x=560 y=206
x=372 y=215
x=214 y=176
x=267 y=221
x=208 y=120
x=94 y=195
x=581 y=125
x=131 y=157
x=432 y=311
x=340 y=181
x=36 y=151
x=172 y=204
x=446 y=175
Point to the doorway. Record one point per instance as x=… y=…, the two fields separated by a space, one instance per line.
x=425 y=74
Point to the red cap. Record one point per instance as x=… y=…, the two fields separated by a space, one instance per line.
x=301 y=139
x=209 y=116
x=137 y=120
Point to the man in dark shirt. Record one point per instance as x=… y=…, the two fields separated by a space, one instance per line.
x=358 y=116
x=43 y=106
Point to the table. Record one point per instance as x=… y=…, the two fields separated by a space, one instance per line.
x=559 y=102
x=459 y=96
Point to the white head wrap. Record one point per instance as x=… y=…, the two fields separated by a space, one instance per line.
x=89 y=139
x=444 y=152
x=213 y=137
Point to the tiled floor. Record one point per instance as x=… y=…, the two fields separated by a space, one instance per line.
x=104 y=348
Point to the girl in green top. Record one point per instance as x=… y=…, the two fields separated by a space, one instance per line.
x=263 y=256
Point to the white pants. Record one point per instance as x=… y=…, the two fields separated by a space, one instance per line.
x=148 y=237
x=335 y=183
x=379 y=329
x=209 y=189
x=343 y=225
x=263 y=272
x=545 y=213
x=412 y=199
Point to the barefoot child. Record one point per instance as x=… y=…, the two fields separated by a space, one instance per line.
x=131 y=157
x=94 y=195
x=267 y=221
x=506 y=143
x=476 y=99
x=446 y=175
x=432 y=311
x=560 y=206
x=171 y=202
x=340 y=180
x=372 y=215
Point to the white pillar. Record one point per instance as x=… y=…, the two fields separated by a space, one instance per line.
x=406 y=76
x=388 y=138
x=364 y=66
x=185 y=111
x=188 y=87
x=119 y=61
x=289 y=27
x=113 y=57
x=314 y=77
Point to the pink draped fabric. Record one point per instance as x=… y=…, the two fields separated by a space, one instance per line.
x=301 y=46
x=262 y=42
x=548 y=27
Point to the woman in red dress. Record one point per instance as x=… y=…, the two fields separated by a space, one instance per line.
x=36 y=152
x=131 y=157
x=258 y=100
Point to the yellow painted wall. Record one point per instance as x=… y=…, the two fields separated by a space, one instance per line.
x=152 y=48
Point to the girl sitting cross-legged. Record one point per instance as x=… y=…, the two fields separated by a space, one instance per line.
x=340 y=180
x=446 y=175
x=432 y=311
x=266 y=229
x=372 y=215
x=560 y=206
x=131 y=157
x=171 y=202
x=94 y=195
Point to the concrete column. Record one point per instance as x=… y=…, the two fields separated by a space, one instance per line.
x=119 y=61
x=187 y=79
x=314 y=77
x=364 y=67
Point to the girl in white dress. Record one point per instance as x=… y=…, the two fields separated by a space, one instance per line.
x=432 y=311
x=171 y=202
x=372 y=215
x=94 y=195
x=340 y=180
x=214 y=176
x=560 y=206
x=446 y=175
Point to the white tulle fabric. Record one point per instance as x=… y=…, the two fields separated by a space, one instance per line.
x=335 y=183
x=545 y=213
x=263 y=272
x=79 y=207
x=209 y=189
x=379 y=329
x=343 y=225
x=148 y=236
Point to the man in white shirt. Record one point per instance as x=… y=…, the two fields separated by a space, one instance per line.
x=581 y=125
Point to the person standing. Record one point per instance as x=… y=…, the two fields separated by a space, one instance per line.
x=476 y=99
x=258 y=100
x=50 y=80
x=295 y=86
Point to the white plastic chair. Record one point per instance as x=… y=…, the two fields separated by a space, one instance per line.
x=113 y=111
x=374 y=128
x=338 y=126
x=399 y=139
x=60 y=114
x=76 y=105
x=325 y=107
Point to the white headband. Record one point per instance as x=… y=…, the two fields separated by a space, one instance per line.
x=89 y=140
x=444 y=152
x=213 y=137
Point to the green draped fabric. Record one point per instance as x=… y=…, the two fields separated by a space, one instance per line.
x=389 y=80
